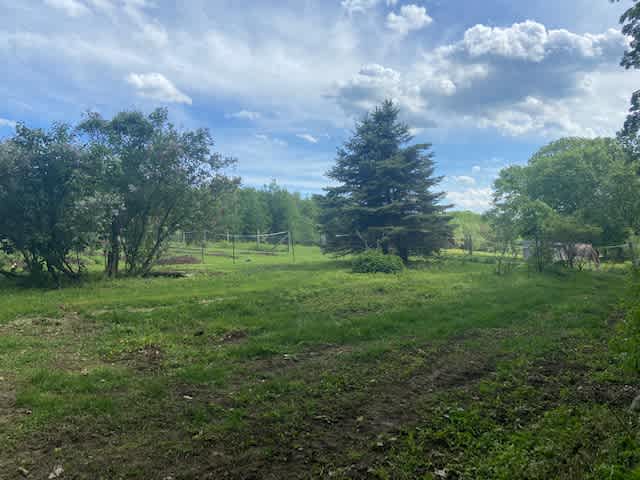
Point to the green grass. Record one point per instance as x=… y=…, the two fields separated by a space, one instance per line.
x=281 y=370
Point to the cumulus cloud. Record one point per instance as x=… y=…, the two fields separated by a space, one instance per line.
x=411 y=17
x=519 y=80
x=245 y=115
x=73 y=8
x=307 y=137
x=531 y=41
x=522 y=79
x=374 y=83
x=353 y=6
x=475 y=199
x=157 y=87
x=268 y=139
x=464 y=179
x=7 y=123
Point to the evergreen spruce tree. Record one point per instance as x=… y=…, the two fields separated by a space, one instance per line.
x=384 y=197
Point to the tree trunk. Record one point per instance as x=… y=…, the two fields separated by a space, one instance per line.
x=403 y=253
x=113 y=255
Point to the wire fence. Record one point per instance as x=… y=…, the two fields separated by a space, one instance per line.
x=203 y=244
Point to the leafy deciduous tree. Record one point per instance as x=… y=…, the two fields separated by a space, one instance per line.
x=156 y=173
x=47 y=199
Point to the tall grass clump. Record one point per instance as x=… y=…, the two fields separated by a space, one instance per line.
x=374 y=261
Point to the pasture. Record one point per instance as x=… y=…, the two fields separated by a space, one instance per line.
x=269 y=369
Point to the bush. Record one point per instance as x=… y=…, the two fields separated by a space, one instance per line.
x=374 y=261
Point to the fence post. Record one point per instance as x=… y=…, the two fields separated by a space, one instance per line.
x=292 y=247
x=258 y=239
x=233 y=251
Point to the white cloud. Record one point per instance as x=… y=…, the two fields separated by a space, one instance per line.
x=105 y=5
x=522 y=80
x=245 y=115
x=353 y=6
x=464 y=179
x=266 y=138
x=373 y=84
x=157 y=87
x=531 y=41
x=7 y=123
x=307 y=137
x=73 y=8
x=411 y=17
x=475 y=199
x=476 y=169
x=154 y=32
x=519 y=80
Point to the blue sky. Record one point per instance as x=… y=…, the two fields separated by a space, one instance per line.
x=280 y=83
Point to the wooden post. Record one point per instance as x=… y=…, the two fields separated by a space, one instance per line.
x=233 y=252
x=292 y=247
x=258 y=239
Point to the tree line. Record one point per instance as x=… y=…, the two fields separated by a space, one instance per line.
x=243 y=210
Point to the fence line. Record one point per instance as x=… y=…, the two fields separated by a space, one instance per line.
x=205 y=243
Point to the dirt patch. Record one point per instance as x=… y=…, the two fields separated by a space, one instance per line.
x=148 y=358
x=361 y=416
x=358 y=411
x=234 y=336
x=8 y=410
x=167 y=274
x=179 y=260
x=68 y=323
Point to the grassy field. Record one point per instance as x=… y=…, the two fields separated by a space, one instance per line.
x=267 y=369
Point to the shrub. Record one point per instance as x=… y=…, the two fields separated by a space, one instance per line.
x=374 y=261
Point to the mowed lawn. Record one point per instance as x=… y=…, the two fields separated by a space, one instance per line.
x=271 y=370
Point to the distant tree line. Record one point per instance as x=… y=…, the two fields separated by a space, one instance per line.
x=248 y=211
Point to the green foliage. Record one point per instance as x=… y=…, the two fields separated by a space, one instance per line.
x=47 y=200
x=471 y=230
x=573 y=190
x=384 y=197
x=630 y=21
x=155 y=174
x=626 y=343
x=248 y=210
x=579 y=178
x=375 y=261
